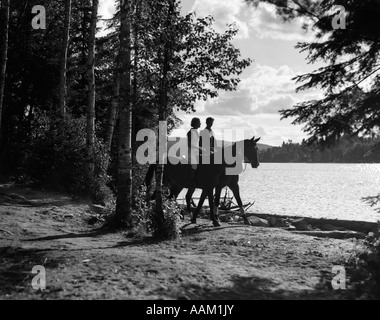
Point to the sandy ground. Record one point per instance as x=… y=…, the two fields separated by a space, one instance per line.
x=228 y=263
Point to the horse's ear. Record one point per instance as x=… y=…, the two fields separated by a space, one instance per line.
x=257 y=140
x=253 y=139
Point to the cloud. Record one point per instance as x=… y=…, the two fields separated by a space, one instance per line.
x=262 y=21
x=234 y=128
x=266 y=91
x=107 y=8
x=225 y=12
x=232 y=103
x=277 y=104
x=265 y=23
x=106 y=11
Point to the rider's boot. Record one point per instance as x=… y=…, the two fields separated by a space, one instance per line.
x=192 y=175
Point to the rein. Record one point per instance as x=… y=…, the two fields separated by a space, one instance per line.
x=236 y=152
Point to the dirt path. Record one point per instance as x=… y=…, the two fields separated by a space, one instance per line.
x=231 y=262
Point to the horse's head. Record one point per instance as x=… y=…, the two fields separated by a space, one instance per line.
x=251 y=152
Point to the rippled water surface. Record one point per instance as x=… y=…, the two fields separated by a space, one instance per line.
x=313 y=190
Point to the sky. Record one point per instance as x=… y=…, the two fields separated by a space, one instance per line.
x=266 y=86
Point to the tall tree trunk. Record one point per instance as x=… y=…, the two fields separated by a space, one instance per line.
x=124 y=195
x=4 y=57
x=112 y=112
x=136 y=31
x=91 y=94
x=163 y=111
x=63 y=67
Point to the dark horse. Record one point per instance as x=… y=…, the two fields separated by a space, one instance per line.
x=210 y=176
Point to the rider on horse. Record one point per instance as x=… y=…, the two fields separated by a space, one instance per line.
x=207 y=139
x=193 y=146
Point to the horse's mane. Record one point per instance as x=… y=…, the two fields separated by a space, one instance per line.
x=233 y=147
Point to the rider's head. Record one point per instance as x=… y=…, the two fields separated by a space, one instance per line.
x=209 y=122
x=196 y=123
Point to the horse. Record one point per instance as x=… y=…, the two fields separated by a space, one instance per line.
x=231 y=181
x=209 y=176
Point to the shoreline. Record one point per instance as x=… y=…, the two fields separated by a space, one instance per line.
x=358 y=226
x=297 y=223
x=355 y=225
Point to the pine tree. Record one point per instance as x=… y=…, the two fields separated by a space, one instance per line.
x=352 y=56
x=91 y=96
x=124 y=194
x=63 y=67
x=4 y=55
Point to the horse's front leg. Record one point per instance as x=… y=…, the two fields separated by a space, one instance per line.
x=189 y=196
x=199 y=207
x=202 y=199
x=218 y=192
x=213 y=209
x=236 y=191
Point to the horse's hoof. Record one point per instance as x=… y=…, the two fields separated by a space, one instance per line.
x=193 y=221
x=217 y=224
x=248 y=223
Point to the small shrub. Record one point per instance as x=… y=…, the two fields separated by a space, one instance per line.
x=56 y=158
x=366 y=265
x=100 y=191
x=371 y=260
x=167 y=229
x=145 y=219
x=140 y=214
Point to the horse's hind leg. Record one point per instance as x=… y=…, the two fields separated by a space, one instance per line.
x=236 y=191
x=199 y=207
x=213 y=214
x=202 y=200
x=195 y=215
x=218 y=191
x=174 y=193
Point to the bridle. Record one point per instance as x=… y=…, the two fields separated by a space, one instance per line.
x=246 y=162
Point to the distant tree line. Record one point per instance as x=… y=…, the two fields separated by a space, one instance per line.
x=353 y=150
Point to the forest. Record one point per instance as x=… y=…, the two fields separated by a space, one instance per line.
x=348 y=150
x=71 y=103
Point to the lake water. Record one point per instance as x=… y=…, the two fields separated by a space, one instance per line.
x=333 y=191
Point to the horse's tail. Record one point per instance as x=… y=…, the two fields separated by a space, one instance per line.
x=150 y=174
